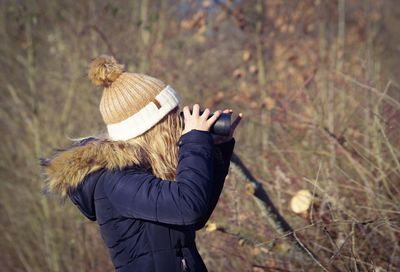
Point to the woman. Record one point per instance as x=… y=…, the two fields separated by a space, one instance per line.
x=150 y=183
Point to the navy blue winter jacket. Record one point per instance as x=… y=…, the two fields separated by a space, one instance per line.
x=149 y=224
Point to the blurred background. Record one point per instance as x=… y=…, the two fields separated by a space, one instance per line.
x=319 y=85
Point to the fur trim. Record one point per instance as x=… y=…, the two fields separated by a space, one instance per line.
x=68 y=168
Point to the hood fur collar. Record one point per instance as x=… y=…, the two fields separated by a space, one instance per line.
x=67 y=168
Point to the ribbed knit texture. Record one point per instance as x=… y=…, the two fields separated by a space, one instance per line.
x=132 y=103
x=127 y=95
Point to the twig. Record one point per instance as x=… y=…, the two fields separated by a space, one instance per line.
x=102 y=36
x=381 y=95
x=308 y=252
x=340 y=247
x=313 y=195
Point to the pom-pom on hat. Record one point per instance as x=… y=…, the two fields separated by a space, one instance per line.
x=132 y=103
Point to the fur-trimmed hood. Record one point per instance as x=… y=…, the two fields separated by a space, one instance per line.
x=68 y=168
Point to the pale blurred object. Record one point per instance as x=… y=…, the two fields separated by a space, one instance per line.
x=301 y=201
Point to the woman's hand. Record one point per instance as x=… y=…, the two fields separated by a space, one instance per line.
x=196 y=121
x=218 y=139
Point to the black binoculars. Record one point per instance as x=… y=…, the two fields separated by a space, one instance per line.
x=221 y=127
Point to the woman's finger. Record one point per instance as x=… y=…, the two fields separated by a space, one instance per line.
x=196 y=110
x=186 y=111
x=236 y=122
x=205 y=114
x=213 y=118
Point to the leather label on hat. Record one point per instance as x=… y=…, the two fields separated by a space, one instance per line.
x=155 y=101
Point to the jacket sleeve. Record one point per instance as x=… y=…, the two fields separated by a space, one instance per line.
x=222 y=158
x=182 y=202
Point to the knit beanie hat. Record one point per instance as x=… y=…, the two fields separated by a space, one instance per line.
x=131 y=103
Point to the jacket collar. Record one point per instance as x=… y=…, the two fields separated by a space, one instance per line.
x=67 y=168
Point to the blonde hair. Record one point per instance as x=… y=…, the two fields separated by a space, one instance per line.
x=155 y=150
x=159 y=146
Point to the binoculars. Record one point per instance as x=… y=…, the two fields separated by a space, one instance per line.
x=221 y=127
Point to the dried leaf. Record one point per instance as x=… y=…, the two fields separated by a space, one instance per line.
x=238 y=73
x=250 y=189
x=281 y=247
x=269 y=103
x=211 y=227
x=253 y=69
x=206 y=4
x=246 y=55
